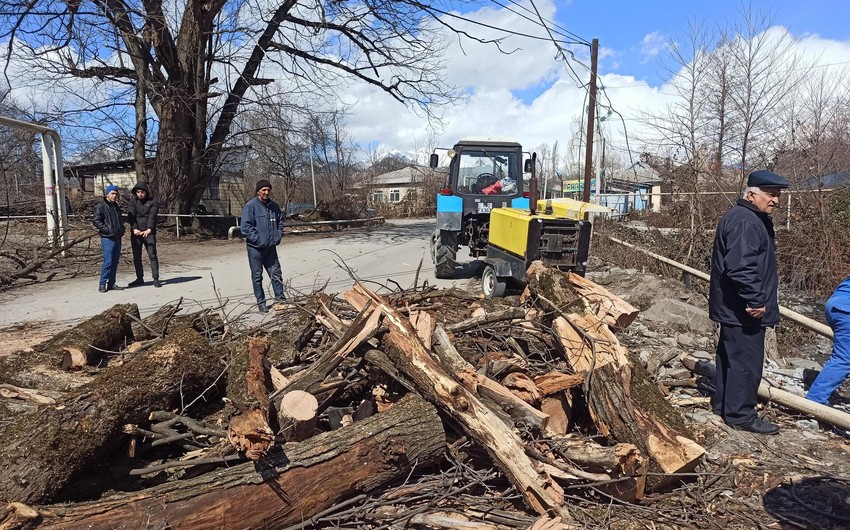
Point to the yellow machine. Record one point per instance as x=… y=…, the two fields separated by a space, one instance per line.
x=557 y=233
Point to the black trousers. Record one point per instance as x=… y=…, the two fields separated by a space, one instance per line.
x=740 y=360
x=137 y=242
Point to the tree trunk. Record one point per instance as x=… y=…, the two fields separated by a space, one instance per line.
x=291 y=487
x=42 y=451
x=84 y=344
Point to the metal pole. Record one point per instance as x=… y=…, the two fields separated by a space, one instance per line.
x=313 y=177
x=591 y=116
x=788 y=214
x=60 y=185
x=49 y=190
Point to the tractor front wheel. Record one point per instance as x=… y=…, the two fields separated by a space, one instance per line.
x=491 y=285
x=445 y=254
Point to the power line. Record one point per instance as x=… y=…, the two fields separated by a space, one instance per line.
x=564 y=31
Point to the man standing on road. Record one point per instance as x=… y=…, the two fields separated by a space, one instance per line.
x=142 y=218
x=743 y=300
x=110 y=225
x=837 y=367
x=262 y=226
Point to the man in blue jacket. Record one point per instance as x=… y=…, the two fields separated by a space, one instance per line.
x=262 y=226
x=837 y=368
x=109 y=221
x=743 y=300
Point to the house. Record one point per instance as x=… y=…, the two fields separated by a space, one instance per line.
x=402 y=185
x=637 y=187
x=225 y=194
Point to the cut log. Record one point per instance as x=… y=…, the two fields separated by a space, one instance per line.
x=487 y=319
x=569 y=292
x=623 y=401
x=538 y=490
x=297 y=415
x=249 y=430
x=289 y=489
x=41 y=451
x=555 y=382
x=495 y=396
x=85 y=343
x=559 y=408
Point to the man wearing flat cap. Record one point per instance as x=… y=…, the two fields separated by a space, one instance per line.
x=743 y=300
x=262 y=226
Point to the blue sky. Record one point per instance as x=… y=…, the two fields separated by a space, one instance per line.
x=531 y=97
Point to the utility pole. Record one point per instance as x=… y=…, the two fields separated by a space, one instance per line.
x=591 y=116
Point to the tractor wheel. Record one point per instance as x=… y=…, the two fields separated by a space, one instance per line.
x=445 y=254
x=491 y=285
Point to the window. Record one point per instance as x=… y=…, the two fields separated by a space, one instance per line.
x=378 y=196
x=213 y=190
x=395 y=195
x=487 y=172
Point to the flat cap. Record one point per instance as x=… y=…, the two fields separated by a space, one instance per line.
x=766 y=179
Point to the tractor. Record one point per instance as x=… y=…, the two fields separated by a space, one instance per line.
x=485 y=206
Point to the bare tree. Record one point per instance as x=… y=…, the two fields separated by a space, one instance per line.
x=195 y=65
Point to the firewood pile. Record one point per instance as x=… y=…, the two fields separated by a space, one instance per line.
x=421 y=408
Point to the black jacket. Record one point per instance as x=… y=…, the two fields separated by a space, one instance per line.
x=108 y=220
x=262 y=223
x=743 y=268
x=142 y=214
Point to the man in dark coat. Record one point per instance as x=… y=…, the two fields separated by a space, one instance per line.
x=110 y=225
x=141 y=215
x=262 y=226
x=743 y=300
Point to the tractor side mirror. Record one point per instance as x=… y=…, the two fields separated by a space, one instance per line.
x=527 y=167
x=434 y=160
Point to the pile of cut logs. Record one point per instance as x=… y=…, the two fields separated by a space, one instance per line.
x=423 y=408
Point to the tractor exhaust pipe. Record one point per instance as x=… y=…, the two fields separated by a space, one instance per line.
x=532 y=185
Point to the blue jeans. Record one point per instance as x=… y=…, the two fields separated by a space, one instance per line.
x=111 y=256
x=838 y=366
x=265 y=258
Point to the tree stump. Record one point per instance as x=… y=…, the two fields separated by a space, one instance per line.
x=297 y=415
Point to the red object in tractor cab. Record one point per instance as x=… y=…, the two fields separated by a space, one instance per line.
x=445 y=191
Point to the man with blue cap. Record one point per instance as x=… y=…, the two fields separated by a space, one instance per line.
x=743 y=300
x=109 y=221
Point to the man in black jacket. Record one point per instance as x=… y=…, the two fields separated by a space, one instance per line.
x=110 y=225
x=142 y=218
x=743 y=300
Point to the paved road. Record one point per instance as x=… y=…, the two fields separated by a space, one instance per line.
x=391 y=251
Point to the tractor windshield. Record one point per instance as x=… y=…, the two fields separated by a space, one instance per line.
x=489 y=172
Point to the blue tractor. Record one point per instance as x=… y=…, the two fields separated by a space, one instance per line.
x=484 y=173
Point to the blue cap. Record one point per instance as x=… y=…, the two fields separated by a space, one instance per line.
x=110 y=188
x=766 y=179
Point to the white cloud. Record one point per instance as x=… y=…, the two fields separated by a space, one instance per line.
x=652 y=46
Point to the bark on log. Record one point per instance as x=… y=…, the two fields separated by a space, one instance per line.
x=624 y=402
x=538 y=489
x=249 y=430
x=42 y=451
x=304 y=480
x=85 y=343
x=155 y=324
x=569 y=291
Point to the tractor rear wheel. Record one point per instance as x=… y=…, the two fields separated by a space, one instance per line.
x=445 y=254
x=491 y=285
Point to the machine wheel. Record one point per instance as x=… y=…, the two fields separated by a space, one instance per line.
x=445 y=254
x=491 y=285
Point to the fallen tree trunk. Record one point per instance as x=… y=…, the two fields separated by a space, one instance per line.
x=249 y=429
x=623 y=401
x=538 y=489
x=786 y=399
x=43 y=450
x=293 y=486
x=568 y=290
x=85 y=343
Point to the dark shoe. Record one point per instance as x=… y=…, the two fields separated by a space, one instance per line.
x=758 y=426
x=138 y=282
x=157 y=283
x=102 y=289
x=263 y=308
x=116 y=288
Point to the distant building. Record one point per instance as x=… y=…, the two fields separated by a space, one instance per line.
x=398 y=186
x=225 y=194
